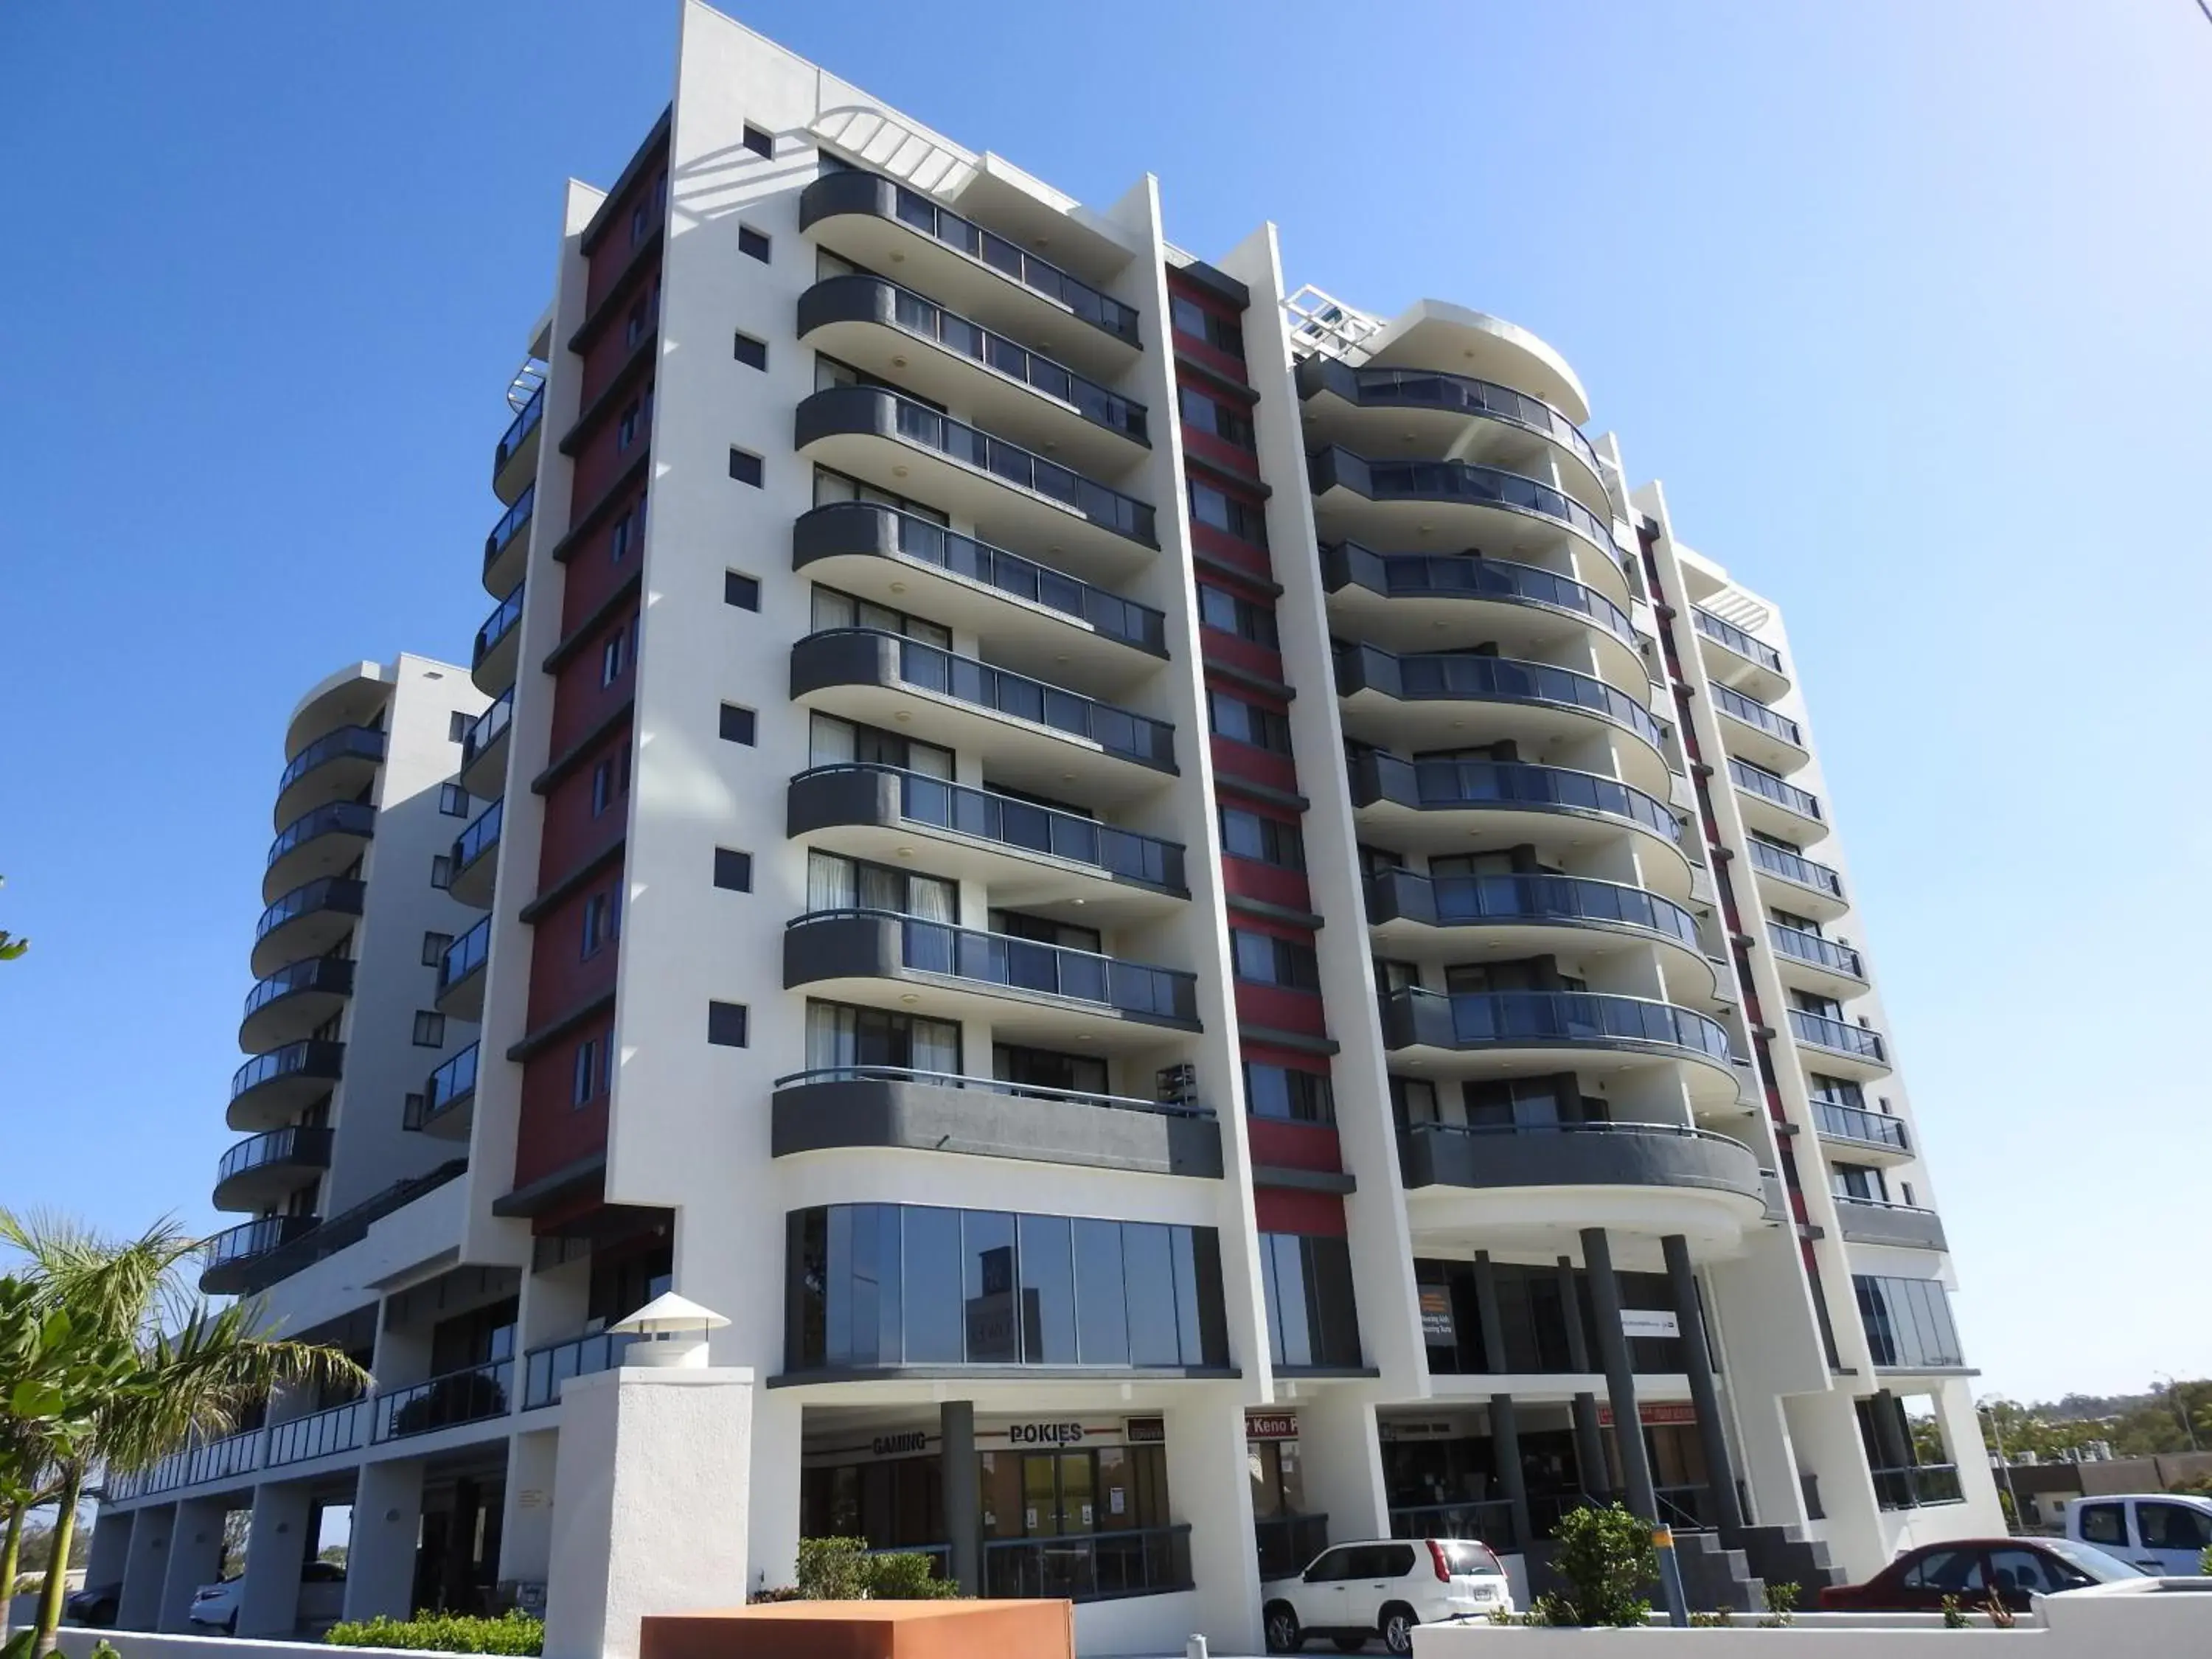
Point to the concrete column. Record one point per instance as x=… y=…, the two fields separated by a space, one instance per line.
x=109 y=1552
x=1209 y=1487
x=1493 y=1321
x=964 y=1494
x=1341 y=1457
x=1589 y=1441
x=139 y=1607
x=772 y=1523
x=1697 y=1362
x=652 y=1517
x=1890 y=1439
x=525 y=1526
x=1619 y=1377
x=1505 y=1447
x=387 y=1527
x=194 y=1558
x=276 y=1549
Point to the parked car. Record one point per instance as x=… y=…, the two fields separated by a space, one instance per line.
x=2164 y=1533
x=1353 y=1593
x=322 y=1598
x=1969 y=1568
x=95 y=1604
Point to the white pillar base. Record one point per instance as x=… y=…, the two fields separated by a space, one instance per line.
x=277 y=1548
x=387 y=1523
x=139 y=1608
x=194 y=1558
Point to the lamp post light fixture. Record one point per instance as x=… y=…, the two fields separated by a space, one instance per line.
x=671 y=1331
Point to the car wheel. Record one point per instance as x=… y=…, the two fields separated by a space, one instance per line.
x=1398 y=1624
x=1283 y=1635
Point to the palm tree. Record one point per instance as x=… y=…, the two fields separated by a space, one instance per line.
x=195 y=1370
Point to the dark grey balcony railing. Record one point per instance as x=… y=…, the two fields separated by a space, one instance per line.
x=332 y=893
x=1728 y=634
x=518 y=430
x=847 y=192
x=841 y=410
x=1784 y=794
x=333 y=974
x=340 y=818
x=480 y=837
x=1840 y=1122
x=1089 y=1566
x=322 y=1434
x=254 y=1238
x=1420 y=388
x=347 y=743
x=1449 y=677
x=1020 y=964
x=468 y=1395
x=464 y=956
x=1448 y=901
x=1285 y=1543
x=295 y=1144
x=863 y=298
x=316 y=1057
x=503 y=620
x=1839 y=1035
x=1461 y=575
x=1471 y=1019
x=447 y=1087
x=844 y=792
x=844 y=656
x=1802 y=946
x=1792 y=867
x=544 y=1370
x=511 y=524
x=1459 y=481
x=865 y=527
x=1752 y=712
x=1623 y=1154
x=1444 y=785
x=994 y=1085
x=487 y=728
x=1489 y=1521
x=1919 y=1486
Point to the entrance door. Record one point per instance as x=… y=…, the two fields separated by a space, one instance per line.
x=1060 y=1500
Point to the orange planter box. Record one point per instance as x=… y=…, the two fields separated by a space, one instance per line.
x=866 y=1630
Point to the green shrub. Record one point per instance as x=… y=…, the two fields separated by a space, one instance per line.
x=841 y=1570
x=513 y=1632
x=1781 y=1606
x=1954 y=1616
x=1606 y=1558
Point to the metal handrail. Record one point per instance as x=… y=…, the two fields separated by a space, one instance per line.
x=332 y=974
x=351 y=817
x=334 y=893
x=1835 y=1034
x=361 y=742
x=464 y=956
x=511 y=521
x=1454 y=675
x=480 y=837
x=1462 y=573
x=1542 y=897
x=1842 y=1123
x=1784 y=793
x=1726 y=633
x=1794 y=866
x=1752 y=712
x=487 y=728
x=1802 y=946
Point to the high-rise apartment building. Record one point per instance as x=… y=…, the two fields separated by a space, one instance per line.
x=1182 y=906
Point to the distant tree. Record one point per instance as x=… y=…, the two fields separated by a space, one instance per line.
x=10 y=946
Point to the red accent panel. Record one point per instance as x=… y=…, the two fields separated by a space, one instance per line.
x=1294 y=1210
x=1293 y=1145
x=1273 y=1005
x=599 y=462
x=614 y=248
x=1261 y=766
x=1217 y=451
x=593 y=572
x=1231 y=550
x=1216 y=646
x=1269 y=883
x=553 y=1132
x=604 y=354
x=579 y=701
x=560 y=976
x=572 y=836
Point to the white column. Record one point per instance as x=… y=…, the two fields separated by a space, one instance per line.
x=1825 y=1428
x=387 y=1525
x=140 y=1605
x=194 y=1558
x=652 y=1477
x=772 y=1542
x=1340 y=1459
x=526 y=1527
x=109 y=1552
x=1209 y=1487
x=276 y=1549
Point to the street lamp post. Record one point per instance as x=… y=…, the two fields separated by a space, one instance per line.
x=2181 y=1408
x=2005 y=1463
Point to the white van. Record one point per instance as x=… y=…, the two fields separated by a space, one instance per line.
x=2164 y=1533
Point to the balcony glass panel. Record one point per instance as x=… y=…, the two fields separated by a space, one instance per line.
x=993 y=567
x=1786 y=795
x=1024 y=468
x=496 y=627
x=488 y=727
x=331 y=974
x=1855 y=1123
x=544 y=1370
x=989 y=1085
x=321 y=1434
x=469 y=1395
x=943 y=224
x=519 y=429
x=312 y=1057
x=350 y=817
x=331 y=893
x=447 y=1086
x=917 y=315
x=1793 y=866
x=1452 y=675
x=1461 y=391
x=359 y=742
x=1490 y=486
x=1438 y=574
x=293 y=1144
x=1908 y=1322
x=1728 y=634
x=1544 y=898
x=1508 y=1017
x=256 y=1238
x=1752 y=713
x=1802 y=946
x=511 y=522
x=464 y=956
x=1449 y=783
x=480 y=837
x=1838 y=1035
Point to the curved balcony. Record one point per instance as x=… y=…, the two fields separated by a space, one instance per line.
x=491 y=660
x=1460 y=504
x=1537 y=1183
x=1033 y=736
x=338 y=766
x=1468 y=806
x=1736 y=659
x=476 y=858
x=460 y=993
x=1797 y=883
x=272 y=1090
x=1418 y=700
x=292 y=1001
x=1845 y=1049
x=1028 y=856
x=1758 y=734
x=880 y=223
x=448 y=1099
x=1010 y=494
x=483 y=750
x=1523 y=916
x=507 y=549
x=231 y=1255
x=1022 y=987
x=896 y=334
x=310 y=921
x=262 y=1169
x=984 y=1117
x=1814 y=963
x=1874 y=1136
x=1870 y=1221
x=1775 y=804
x=359 y=694
x=1500 y=1033
x=514 y=462
x=321 y=843
x=1414 y=413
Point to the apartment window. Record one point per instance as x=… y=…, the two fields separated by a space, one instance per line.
x=441 y=871
x=603 y=786
x=456 y=725
x=411 y=1108
x=1858 y=1180
x=1312 y=1321
x=739 y=725
x=742 y=591
x=584 y=1080
x=745 y=467
x=1225 y=513
x=752 y=353
x=833 y=742
x=726 y=1025
x=1243 y=722
x=733 y=870
x=1287 y=1093
x=836 y=883
x=453 y=800
x=430 y=1029
x=1219 y=608
x=841 y=1036
x=641 y=220
x=1204 y=413
x=759 y=142
x=434 y=948
x=1263 y=839
x=614 y=655
x=634 y=324
x=833 y=609
x=1223 y=333
x=1264 y=959
x=626 y=429
x=832 y=486
x=620 y=539
x=752 y=243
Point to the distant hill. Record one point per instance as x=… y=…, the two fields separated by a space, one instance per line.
x=2091 y=1408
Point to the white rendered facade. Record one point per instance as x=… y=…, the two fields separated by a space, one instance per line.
x=861 y=701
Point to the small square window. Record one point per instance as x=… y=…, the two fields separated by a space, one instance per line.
x=434 y=948
x=752 y=353
x=584 y=1085
x=633 y=327
x=641 y=216
x=429 y=1030
x=456 y=725
x=596 y=931
x=411 y=1108
x=733 y=870
x=742 y=591
x=726 y=1025
x=752 y=243
x=453 y=800
x=613 y=656
x=760 y=142
x=626 y=431
x=618 y=544
x=441 y=869
x=745 y=466
x=739 y=725
x=603 y=786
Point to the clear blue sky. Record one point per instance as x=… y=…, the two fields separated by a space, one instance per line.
x=1906 y=303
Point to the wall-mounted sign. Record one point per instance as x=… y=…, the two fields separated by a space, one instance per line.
x=899 y=1445
x=1650 y=1321
x=1271 y=1425
x=1145 y=1431
x=1434 y=1430
x=1439 y=1330
x=1654 y=1414
x=1044 y=1434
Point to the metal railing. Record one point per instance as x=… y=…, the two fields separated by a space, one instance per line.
x=331 y=974
x=256 y=1237
x=480 y=837
x=1426 y=388
x=447 y=1087
x=1918 y=1486
x=1794 y=866
x=1089 y=1566
x=518 y=430
x=1533 y=898
x=989 y=1085
x=544 y=1370
x=1458 y=576
x=1445 y=784
x=300 y=1143
x=333 y=893
x=1838 y=1035
x=1728 y=634
x=1488 y=486
x=487 y=728
x=310 y=1056
x=503 y=620
x=467 y=1395
x=355 y=742
x=510 y=524
x=321 y=1434
x=1285 y=1543
x=1802 y=946
x=345 y=817
x=1840 y=1122
x=1762 y=783
x=1752 y=712
x=1508 y=1017
x=1489 y=1521
x=464 y=956
x=1502 y=678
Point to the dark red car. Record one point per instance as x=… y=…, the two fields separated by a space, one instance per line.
x=1969 y=1568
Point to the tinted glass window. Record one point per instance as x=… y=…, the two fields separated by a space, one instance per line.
x=1463 y=1556
x=933 y=1313
x=1148 y=1260
x=2030 y=1571
x=1100 y=1304
x=2104 y=1523
x=1331 y=1566
x=1047 y=1268
x=2173 y=1527
x=1945 y=1569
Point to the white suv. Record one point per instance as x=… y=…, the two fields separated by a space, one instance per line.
x=1383 y=1587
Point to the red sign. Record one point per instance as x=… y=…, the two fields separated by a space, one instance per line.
x=1271 y=1425
x=1654 y=1414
